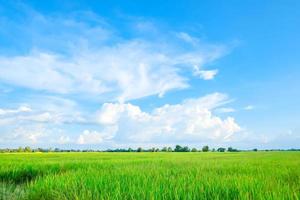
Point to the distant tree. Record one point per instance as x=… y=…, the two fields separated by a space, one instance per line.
x=152 y=149
x=221 y=149
x=20 y=149
x=170 y=149
x=129 y=149
x=139 y=149
x=165 y=149
x=230 y=149
x=255 y=149
x=27 y=149
x=186 y=149
x=157 y=150
x=194 y=150
x=178 y=148
x=205 y=148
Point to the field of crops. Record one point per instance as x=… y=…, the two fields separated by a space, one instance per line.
x=243 y=175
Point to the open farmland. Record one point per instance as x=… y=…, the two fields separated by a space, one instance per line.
x=243 y=175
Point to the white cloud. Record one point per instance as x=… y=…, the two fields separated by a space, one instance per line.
x=34 y=134
x=188 y=38
x=132 y=69
x=64 y=139
x=225 y=110
x=90 y=137
x=190 y=121
x=85 y=57
x=40 y=117
x=31 y=134
x=95 y=137
x=205 y=74
x=104 y=63
x=21 y=109
x=193 y=120
x=43 y=109
x=249 y=107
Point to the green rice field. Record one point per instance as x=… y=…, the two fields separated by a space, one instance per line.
x=85 y=176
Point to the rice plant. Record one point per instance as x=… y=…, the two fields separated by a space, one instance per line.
x=87 y=176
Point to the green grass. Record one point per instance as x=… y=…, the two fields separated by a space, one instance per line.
x=244 y=175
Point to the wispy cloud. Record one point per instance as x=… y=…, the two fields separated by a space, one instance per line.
x=205 y=74
x=21 y=109
x=89 y=56
x=249 y=107
x=225 y=110
x=42 y=109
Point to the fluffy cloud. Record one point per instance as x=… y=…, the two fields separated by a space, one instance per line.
x=90 y=137
x=97 y=60
x=193 y=120
x=96 y=137
x=29 y=134
x=189 y=121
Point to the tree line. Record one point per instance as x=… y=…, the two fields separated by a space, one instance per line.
x=177 y=148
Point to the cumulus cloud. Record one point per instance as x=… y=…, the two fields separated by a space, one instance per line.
x=90 y=137
x=193 y=120
x=96 y=137
x=190 y=121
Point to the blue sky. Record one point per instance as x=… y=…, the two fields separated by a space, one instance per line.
x=92 y=74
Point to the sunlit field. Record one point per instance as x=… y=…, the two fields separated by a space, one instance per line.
x=243 y=175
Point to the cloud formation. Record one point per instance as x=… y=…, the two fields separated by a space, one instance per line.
x=82 y=56
x=97 y=60
x=21 y=109
x=190 y=121
x=43 y=109
x=193 y=120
